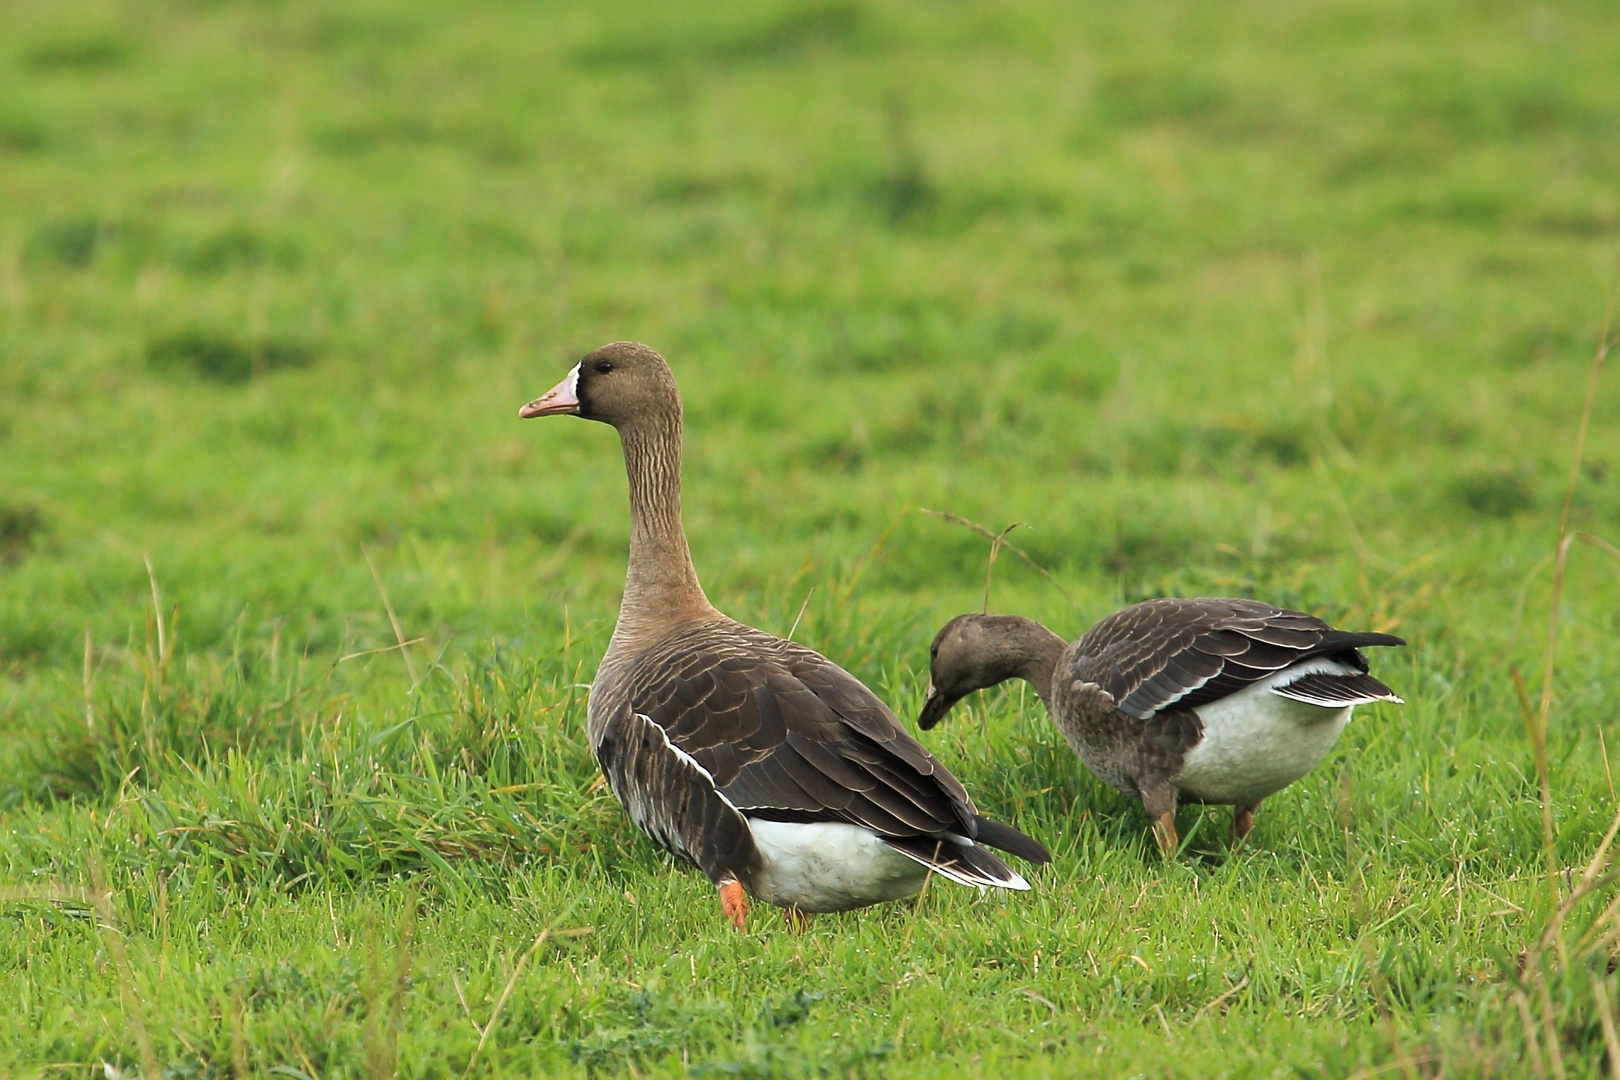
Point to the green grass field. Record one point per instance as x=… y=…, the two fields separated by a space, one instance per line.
x=1295 y=301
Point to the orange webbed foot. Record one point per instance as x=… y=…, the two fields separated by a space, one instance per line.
x=734 y=902
x=798 y=922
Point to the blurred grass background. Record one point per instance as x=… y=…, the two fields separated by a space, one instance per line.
x=1293 y=301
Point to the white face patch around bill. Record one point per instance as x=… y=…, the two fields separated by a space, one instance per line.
x=562 y=398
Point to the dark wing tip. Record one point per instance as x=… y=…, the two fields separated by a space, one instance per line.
x=1011 y=841
x=1345 y=639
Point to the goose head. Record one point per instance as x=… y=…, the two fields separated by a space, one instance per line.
x=975 y=651
x=617 y=384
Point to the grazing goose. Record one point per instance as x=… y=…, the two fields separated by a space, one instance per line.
x=1208 y=700
x=762 y=763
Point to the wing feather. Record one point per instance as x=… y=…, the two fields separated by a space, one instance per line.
x=673 y=799
x=784 y=728
x=964 y=864
x=1332 y=691
x=788 y=735
x=1184 y=653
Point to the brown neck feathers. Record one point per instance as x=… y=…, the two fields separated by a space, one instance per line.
x=661 y=586
x=1034 y=652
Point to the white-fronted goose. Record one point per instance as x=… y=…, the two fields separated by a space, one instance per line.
x=1207 y=700
x=762 y=763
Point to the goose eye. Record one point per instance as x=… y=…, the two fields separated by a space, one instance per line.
x=604 y=366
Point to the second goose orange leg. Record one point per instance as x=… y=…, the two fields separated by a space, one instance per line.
x=734 y=902
x=1243 y=820
x=1159 y=800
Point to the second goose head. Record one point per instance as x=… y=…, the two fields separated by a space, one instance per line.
x=619 y=384
x=974 y=652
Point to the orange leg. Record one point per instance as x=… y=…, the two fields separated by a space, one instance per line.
x=1164 y=830
x=798 y=922
x=734 y=902
x=1243 y=820
x=1159 y=800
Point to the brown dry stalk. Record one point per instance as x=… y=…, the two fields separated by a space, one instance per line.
x=157 y=609
x=955 y=519
x=990 y=566
x=1593 y=878
x=1549 y=1023
x=1606 y=1017
x=795 y=627
x=1217 y=1002
x=240 y=1070
x=1559 y=563
x=500 y=1003
x=1593 y=371
x=107 y=922
x=1532 y=1045
x=1599 y=543
x=1595 y=875
x=382 y=1037
x=89 y=673
x=393 y=620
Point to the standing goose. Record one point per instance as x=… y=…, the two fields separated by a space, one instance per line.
x=762 y=763
x=1208 y=700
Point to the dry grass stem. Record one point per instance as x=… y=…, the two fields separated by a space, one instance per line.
x=1611 y=1040
x=990 y=564
x=107 y=921
x=517 y=972
x=393 y=620
x=994 y=538
x=240 y=1069
x=157 y=608
x=381 y=649
x=89 y=703
x=1549 y=1022
x=795 y=627
x=1532 y=1042
x=383 y=1024
x=500 y=1003
x=1539 y=719
x=1218 y=1001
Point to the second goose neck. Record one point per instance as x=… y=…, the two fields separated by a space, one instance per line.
x=661 y=586
x=1039 y=652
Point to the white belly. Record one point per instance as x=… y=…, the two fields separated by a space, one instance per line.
x=1256 y=743
x=829 y=866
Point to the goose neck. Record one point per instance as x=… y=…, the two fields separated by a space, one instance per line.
x=661 y=585
x=1039 y=651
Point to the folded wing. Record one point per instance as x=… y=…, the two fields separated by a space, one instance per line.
x=1181 y=653
x=673 y=798
x=788 y=735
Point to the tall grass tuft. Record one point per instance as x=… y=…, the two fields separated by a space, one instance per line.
x=1560 y=986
